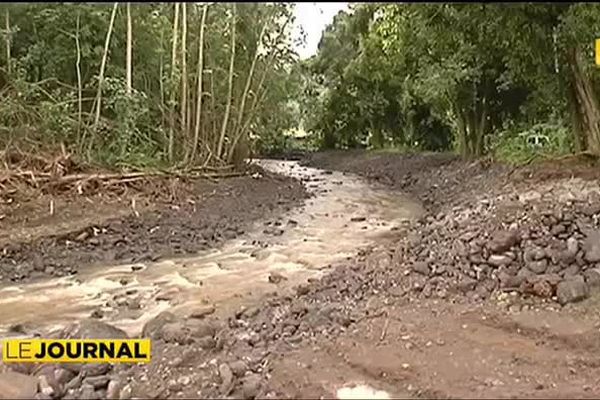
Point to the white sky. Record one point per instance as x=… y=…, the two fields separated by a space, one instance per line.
x=314 y=17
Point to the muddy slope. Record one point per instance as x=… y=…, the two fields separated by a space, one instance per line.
x=214 y=212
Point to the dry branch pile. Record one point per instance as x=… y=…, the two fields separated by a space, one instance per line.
x=29 y=174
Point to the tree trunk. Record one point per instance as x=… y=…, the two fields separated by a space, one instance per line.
x=101 y=76
x=241 y=130
x=184 y=77
x=587 y=110
x=129 y=50
x=8 y=63
x=172 y=81
x=79 y=83
x=230 y=85
x=248 y=83
x=161 y=84
x=213 y=113
x=199 y=87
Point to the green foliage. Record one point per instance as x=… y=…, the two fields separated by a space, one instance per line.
x=520 y=144
x=430 y=76
x=39 y=98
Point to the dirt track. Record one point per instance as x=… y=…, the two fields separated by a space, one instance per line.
x=452 y=305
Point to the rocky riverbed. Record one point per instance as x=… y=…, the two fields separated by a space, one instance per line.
x=487 y=294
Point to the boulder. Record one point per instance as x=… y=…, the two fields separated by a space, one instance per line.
x=537 y=267
x=92 y=329
x=591 y=247
x=572 y=290
x=421 y=267
x=503 y=240
x=14 y=385
x=153 y=327
x=592 y=277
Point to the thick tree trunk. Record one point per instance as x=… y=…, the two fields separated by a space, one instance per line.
x=587 y=110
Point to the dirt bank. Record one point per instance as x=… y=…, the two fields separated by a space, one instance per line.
x=135 y=227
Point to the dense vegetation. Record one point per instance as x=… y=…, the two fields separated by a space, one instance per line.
x=147 y=83
x=187 y=84
x=477 y=78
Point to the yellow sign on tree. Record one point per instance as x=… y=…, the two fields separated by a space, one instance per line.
x=598 y=52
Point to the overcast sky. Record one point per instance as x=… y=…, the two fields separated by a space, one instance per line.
x=313 y=17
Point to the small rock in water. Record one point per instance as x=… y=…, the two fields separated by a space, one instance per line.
x=203 y=312
x=276 y=277
x=137 y=267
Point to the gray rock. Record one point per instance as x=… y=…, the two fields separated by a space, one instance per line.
x=421 y=267
x=97 y=382
x=558 y=229
x=63 y=375
x=572 y=246
x=226 y=379
x=113 y=390
x=126 y=393
x=499 y=260
x=592 y=277
x=591 y=246
x=538 y=267
x=175 y=332
x=276 y=277
x=466 y=284
x=571 y=270
x=572 y=290
x=94 y=369
x=238 y=368
x=14 y=385
x=153 y=327
x=200 y=329
x=87 y=392
x=92 y=329
x=534 y=254
x=504 y=240
x=251 y=386
x=203 y=311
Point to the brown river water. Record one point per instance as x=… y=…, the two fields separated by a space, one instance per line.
x=321 y=233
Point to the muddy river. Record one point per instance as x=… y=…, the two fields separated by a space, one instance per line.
x=345 y=214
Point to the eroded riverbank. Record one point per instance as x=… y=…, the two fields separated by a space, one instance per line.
x=343 y=215
x=425 y=310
